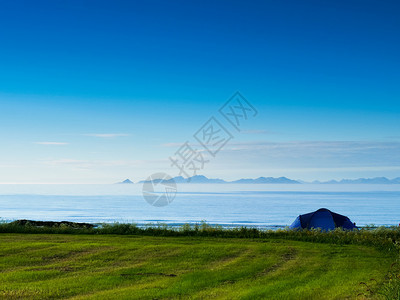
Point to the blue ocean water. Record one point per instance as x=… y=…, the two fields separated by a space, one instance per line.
x=247 y=205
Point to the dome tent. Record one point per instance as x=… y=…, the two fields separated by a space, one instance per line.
x=322 y=218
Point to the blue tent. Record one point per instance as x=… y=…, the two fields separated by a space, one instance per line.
x=322 y=218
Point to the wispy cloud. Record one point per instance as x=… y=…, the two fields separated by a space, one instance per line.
x=303 y=147
x=171 y=145
x=106 y=135
x=336 y=169
x=52 y=143
x=314 y=147
x=93 y=164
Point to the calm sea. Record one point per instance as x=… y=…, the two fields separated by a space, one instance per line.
x=225 y=204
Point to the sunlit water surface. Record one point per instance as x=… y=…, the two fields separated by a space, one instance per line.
x=261 y=205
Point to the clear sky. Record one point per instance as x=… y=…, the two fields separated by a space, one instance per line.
x=99 y=91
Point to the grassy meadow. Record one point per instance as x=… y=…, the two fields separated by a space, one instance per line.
x=96 y=265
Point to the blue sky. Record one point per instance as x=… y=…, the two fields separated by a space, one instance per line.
x=99 y=91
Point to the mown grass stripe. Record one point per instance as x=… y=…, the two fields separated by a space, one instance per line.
x=143 y=267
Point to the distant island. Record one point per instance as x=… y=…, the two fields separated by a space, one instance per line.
x=126 y=181
x=271 y=180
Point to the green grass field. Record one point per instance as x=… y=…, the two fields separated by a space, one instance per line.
x=37 y=266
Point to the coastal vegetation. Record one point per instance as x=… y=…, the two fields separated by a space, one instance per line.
x=126 y=261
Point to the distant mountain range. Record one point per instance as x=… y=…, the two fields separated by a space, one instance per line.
x=193 y=179
x=204 y=179
x=273 y=180
x=376 y=180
